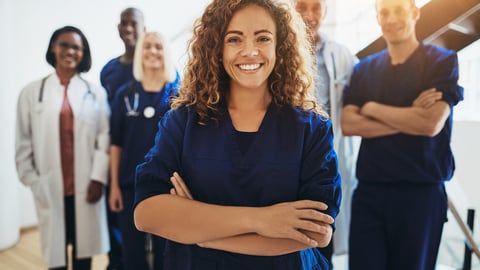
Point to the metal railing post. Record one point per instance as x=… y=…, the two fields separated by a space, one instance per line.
x=467 y=258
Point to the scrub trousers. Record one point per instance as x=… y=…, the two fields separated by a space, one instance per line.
x=70 y=223
x=396 y=226
x=139 y=250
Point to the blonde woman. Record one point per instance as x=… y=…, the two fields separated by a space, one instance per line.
x=136 y=110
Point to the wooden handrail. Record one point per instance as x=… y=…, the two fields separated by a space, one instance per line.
x=470 y=241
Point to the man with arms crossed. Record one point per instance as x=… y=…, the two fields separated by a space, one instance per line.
x=400 y=102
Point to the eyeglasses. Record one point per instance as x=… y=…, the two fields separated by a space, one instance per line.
x=65 y=45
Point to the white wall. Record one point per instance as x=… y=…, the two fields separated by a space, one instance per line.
x=25 y=28
x=463 y=191
x=466 y=150
x=8 y=182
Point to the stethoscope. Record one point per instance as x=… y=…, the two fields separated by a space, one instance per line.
x=89 y=90
x=148 y=112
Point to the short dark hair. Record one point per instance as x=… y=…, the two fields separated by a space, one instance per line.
x=132 y=10
x=86 y=62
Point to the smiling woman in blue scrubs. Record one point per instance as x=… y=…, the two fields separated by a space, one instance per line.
x=136 y=110
x=245 y=139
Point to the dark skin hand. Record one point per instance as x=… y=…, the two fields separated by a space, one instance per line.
x=94 y=192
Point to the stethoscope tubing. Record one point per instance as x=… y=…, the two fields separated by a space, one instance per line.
x=42 y=86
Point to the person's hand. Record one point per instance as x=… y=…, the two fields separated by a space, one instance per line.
x=291 y=220
x=288 y=220
x=94 y=192
x=115 y=200
x=427 y=98
x=365 y=109
x=179 y=187
x=325 y=237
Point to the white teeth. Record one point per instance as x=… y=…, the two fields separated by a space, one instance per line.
x=249 y=67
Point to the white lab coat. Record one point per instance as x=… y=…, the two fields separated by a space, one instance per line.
x=339 y=62
x=38 y=162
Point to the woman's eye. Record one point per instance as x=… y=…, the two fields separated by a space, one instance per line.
x=264 y=39
x=233 y=40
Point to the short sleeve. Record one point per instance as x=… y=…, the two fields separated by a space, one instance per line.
x=445 y=77
x=351 y=92
x=320 y=180
x=153 y=176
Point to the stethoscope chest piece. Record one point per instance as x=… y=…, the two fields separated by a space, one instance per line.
x=149 y=112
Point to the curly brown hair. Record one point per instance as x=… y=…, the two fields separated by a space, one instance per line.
x=206 y=83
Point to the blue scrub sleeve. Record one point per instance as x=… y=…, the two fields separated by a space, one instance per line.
x=352 y=95
x=445 y=78
x=319 y=179
x=153 y=176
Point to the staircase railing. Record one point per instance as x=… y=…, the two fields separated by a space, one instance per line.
x=469 y=240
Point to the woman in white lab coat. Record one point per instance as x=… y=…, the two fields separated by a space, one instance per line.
x=62 y=141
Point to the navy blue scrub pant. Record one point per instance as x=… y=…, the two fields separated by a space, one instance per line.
x=133 y=241
x=396 y=226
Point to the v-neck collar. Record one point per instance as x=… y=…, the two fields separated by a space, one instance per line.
x=410 y=59
x=250 y=156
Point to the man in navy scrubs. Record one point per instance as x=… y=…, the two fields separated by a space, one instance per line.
x=400 y=102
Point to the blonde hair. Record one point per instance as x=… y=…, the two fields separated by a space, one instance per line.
x=206 y=83
x=169 y=71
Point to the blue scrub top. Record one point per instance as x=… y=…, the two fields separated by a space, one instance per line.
x=113 y=75
x=291 y=158
x=402 y=157
x=136 y=134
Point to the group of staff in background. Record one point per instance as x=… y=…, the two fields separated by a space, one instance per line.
x=244 y=163
x=93 y=147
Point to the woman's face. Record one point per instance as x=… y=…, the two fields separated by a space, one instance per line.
x=68 y=51
x=249 y=48
x=152 y=53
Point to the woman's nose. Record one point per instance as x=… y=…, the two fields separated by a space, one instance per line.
x=250 y=50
